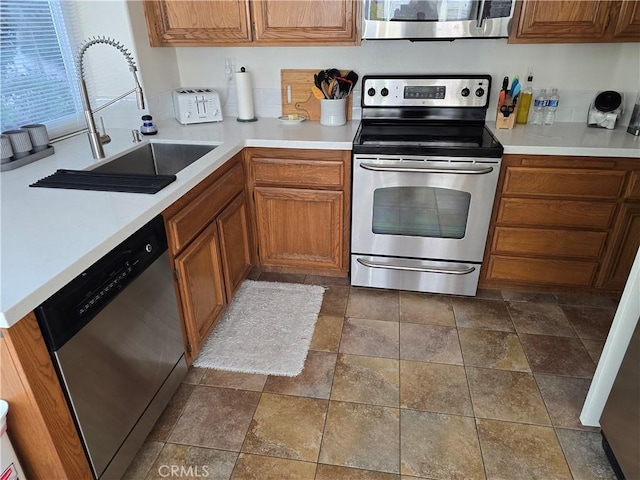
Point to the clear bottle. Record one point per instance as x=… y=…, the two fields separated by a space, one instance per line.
x=539 y=105
x=552 y=106
x=524 y=102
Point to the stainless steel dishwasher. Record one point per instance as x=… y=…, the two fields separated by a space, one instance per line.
x=115 y=340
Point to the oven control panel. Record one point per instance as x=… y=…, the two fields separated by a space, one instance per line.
x=426 y=91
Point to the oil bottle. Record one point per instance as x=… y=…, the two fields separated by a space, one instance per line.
x=524 y=103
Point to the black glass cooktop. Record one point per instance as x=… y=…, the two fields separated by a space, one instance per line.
x=453 y=139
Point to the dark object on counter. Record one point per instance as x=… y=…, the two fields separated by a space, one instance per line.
x=634 y=122
x=608 y=101
x=106 y=182
x=147 y=127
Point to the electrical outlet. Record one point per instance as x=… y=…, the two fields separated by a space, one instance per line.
x=228 y=69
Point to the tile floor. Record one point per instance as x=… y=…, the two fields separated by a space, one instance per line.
x=401 y=385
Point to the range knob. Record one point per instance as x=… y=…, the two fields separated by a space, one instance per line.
x=371 y=92
x=479 y=92
x=384 y=92
x=465 y=92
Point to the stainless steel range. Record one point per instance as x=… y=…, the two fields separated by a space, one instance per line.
x=425 y=170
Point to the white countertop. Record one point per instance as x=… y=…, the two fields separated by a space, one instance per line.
x=568 y=139
x=49 y=236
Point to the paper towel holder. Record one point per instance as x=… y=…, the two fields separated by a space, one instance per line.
x=244 y=120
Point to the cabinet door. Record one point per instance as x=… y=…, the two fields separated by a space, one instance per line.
x=201 y=286
x=562 y=21
x=627 y=24
x=300 y=228
x=194 y=23
x=304 y=21
x=234 y=244
x=622 y=249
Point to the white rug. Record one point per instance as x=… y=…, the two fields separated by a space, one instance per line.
x=266 y=329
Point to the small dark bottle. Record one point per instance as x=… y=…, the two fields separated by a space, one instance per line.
x=148 y=128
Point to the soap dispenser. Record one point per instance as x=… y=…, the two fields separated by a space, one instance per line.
x=634 y=123
x=148 y=128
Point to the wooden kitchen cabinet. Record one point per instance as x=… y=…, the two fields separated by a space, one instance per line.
x=252 y=22
x=209 y=245
x=300 y=206
x=563 y=222
x=576 y=21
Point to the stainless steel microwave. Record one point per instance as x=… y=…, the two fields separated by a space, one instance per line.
x=436 y=19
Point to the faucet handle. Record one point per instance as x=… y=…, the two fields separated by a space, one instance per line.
x=104 y=138
x=136 y=136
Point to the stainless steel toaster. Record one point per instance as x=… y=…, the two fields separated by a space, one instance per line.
x=197 y=105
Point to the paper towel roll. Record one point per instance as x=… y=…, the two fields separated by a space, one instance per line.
x=245 y=96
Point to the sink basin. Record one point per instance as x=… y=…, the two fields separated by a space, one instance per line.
x=156 y=158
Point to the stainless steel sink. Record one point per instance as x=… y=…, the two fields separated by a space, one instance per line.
x=156 y=158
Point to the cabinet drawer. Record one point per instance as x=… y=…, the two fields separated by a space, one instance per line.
x=549 y=243
x=633 y=189
x=192 y=219
x=555 y=213
x=541 y=271
x=298 y=173
x=563 y=182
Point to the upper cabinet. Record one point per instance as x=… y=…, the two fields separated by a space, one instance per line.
x=542 y=21
x=252 y=22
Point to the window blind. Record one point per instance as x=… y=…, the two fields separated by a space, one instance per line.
x=37 y=68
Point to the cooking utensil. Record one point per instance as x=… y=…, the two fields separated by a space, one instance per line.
x=507 y=110
x=317 y=93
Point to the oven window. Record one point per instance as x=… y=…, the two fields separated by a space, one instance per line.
x=420 y=212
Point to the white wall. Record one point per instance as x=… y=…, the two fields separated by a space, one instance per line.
x=579 y=71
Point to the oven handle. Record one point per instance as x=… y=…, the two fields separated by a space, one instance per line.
x=444 y=270
x=465 y=171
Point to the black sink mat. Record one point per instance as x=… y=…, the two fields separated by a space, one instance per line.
x=106 y=182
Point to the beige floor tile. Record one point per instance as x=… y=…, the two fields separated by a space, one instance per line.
x=334 y=301
x=521 y=452
x=163 y=427
x=375 y=338
x=564 y=398
x=434 y=387
x=327 y=333
x=590 y=322
x=584 y=453
x=281 y=277
x=373 y=304
x=287 y=427
x=587 y=300
x=143 y=461
x=425 y=308
x=362 y=436
x=369 y=380
x=439 y=446
x=182 y=461
x=557 y=356
x=314 y=381
x=430 y=343
x=540 y=319
x=215 y=418
x=492 y=349
x=327 y=281
x=481 y=313
x=333 y=472
x=594 y=348
x=258 y=467
x=194 y=375
x=238 y=380
x=506 y=395
x=532 y=297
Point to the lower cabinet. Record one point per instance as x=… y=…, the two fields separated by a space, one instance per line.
x=209 y=245
x=300 y=205
x=563 y=222
x=201 y=285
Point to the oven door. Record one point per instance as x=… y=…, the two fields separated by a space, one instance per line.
x=435 y=208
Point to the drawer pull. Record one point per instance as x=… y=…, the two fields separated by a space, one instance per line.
x=442 y=270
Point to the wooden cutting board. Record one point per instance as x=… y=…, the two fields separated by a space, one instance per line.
x=301 y=99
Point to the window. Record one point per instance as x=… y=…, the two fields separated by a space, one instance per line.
x=38 y=73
